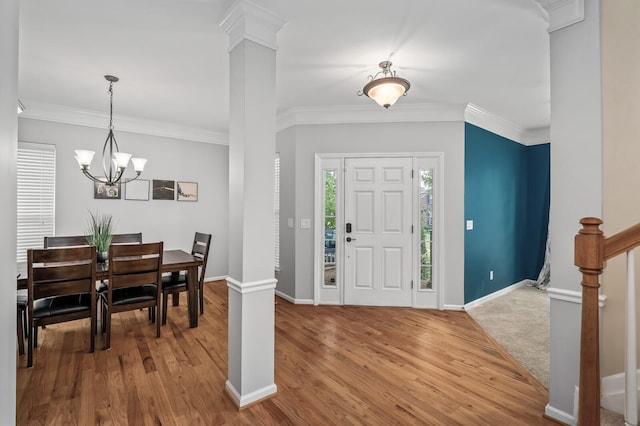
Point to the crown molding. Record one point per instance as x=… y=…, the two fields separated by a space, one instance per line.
x=248 y=20
x=505 y=128
x=370 y=114
x=563 y=13
x=88 y=118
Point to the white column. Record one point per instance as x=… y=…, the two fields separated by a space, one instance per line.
x=252 y=33
x=8 y=152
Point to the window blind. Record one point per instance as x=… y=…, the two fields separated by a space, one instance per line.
x=36 y=182
x=276 y=203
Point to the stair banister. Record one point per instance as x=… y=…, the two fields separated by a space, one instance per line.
x=592 y=250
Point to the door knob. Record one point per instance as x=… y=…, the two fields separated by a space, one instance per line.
x=349 y=239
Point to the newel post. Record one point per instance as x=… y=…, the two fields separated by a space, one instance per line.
x=589 y=258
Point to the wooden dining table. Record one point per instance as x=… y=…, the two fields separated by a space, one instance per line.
x=172 y=261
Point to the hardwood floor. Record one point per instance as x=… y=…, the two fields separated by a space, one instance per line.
x=334 y=366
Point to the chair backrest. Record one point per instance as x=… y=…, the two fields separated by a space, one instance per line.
x=74 y=241
x=126 y=238
x=200 y=249
x=61 y=271
x=133 y=265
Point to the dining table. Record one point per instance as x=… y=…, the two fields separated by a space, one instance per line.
x=172 y=261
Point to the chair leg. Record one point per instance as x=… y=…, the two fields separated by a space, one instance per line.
x=21 y=315
x=30 y=345
x=201 y=297
x=107 y=339
x=165 y=296
x=35 y=337
x=158 y=318
x=175 y=298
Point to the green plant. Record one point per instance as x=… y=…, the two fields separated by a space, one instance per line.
x=100 y=231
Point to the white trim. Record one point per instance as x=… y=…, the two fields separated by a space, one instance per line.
x=257 y=395
x=251 y=286
x=496 y=294
x=538 y=136
x=82 y=117
x=453 y=307
x=487 y=120
x=350 y=114
x=220 y=278
x=293 y=300
x=572 y=296
x=563 y=13
x=559 y=415
x=612 y=392
x=248 y=20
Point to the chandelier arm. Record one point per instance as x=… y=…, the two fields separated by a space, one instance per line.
x=91 y=177
x=131 y=179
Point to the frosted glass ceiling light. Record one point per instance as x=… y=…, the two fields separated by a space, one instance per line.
x=387 y=89
x=114 y=162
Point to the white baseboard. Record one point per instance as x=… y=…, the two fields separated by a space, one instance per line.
x=220 y=278
x=453 y=307
x=251 y=397
x=496 y=294
x=572 y=296
x=613 y=392
x=559 y=415
x=293 y=300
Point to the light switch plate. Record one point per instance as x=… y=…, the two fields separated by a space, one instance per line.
x=305 y=223
x=290 y=222
x=469 y=225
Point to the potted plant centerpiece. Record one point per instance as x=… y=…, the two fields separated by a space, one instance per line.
x=99 y=234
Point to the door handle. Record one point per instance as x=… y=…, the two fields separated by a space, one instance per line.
x=349 y=239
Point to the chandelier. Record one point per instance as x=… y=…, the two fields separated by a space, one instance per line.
x=114 y=162
x=387 y=89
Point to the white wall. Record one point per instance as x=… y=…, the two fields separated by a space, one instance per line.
x=8 y=150
x=576 y=186
x=621 y=127
x=285 y=145
x=447 y=137
x=170 y=221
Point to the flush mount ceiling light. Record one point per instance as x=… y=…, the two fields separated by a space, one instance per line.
x=114 y=162
x=387 y=89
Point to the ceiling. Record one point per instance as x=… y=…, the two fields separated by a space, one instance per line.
x=172 y=60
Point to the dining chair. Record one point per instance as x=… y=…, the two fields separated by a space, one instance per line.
x=72 y=241
x=134 y=281
x=22 y=301
x=177 y=282
x=60 y=287
x=126 y=238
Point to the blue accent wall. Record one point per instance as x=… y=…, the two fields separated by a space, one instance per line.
x=507 y=197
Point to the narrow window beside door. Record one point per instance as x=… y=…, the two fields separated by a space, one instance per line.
x=330 y=228
x=426 y=228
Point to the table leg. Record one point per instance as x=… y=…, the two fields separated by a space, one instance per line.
x=192 y=296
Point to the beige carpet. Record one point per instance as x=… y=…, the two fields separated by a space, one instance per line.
x=519 y=321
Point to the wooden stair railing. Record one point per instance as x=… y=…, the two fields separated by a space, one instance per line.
x=592 y=250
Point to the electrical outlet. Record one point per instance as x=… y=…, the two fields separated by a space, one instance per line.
x=290 y=222
x=469 y=225
x=491 y=275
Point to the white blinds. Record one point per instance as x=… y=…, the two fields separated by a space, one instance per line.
x=36 y=195
x=276 y=203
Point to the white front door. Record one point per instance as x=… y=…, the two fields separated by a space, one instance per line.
x=378 y=248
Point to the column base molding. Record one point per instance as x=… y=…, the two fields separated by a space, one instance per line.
x=251 y=286
x=252 y=398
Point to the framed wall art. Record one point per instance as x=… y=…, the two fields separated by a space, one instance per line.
x=163 y=189
x=137 y=190
x=102 y=191
x=187 y=191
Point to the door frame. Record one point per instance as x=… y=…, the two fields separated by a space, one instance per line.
x=336 y=160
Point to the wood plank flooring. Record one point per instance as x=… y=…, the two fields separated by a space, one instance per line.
x=334 y=366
